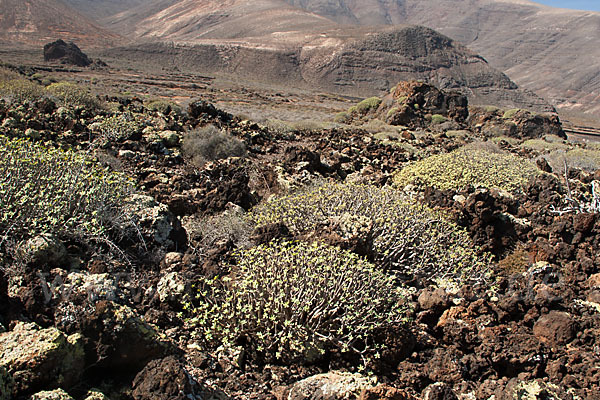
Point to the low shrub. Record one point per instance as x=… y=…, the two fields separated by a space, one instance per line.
x=545 y=144
x=368 y=104
x=584 y=159
x=342 y=118
x=438 y=119
x=406 y=236
x=293 y=301
x=164 y=107
x=72 y=95
x=209 y=143
x=48 y=190
x=117 y=127
x=20 y=91
x=470 y=165
x=510 y=114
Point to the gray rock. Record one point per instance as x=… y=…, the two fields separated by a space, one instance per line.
x=330 y=386
x=171 y=287
x=57 y=394
x=38 y=358
x=44 y=249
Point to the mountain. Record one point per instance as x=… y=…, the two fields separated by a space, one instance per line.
x=98 y=9
x=36 y=22
x=550 y=51
x=273 y=40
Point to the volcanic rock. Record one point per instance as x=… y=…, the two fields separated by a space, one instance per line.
x=66 y=53
x=556 y=328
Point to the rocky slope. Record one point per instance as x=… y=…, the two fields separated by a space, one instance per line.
x=37 y=22
x=78 y=318
x=547 y=50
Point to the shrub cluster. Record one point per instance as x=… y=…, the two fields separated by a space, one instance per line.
x=20 y=90
x=117 y=127
x=478 y=167
x=164 y=107
x=368 y=104
x=72 y=95
x=48 y=190
x=209 y=143
x=407 y=236
x=295 y=301
x=585 y=159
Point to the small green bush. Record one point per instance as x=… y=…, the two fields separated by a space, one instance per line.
x=342 y=117
x=48 y=190
x=438 y=119
x=209 y=143
x=72 y=95
x=466 y=166
x=117 y=127
x=165 y=107
x=406 y=236
x=510 y=114
x=294 y=301
x=585 y=159
x=544 y=145
x=20 y=91
x=368 y=104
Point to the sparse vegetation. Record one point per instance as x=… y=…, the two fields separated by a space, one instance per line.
x=470 y=165
x=117 y=127
x=73 y=95
x=437 y=119
x=294 y=301
x=585 y=159
x=19 y=91
x=165 y=107
x=209 y=143
x=48 y=190
x=510 y=114
x=368 y=104
x=407 y=236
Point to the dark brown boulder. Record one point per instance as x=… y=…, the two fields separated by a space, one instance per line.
x=555 y=329
x=66 y=53
x=165 y=379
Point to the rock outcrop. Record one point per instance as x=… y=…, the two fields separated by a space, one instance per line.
x=66 y=53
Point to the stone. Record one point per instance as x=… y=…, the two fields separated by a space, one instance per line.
x=436 y=300
x=94 y=394
x=171 y=287
x=66 y=53
x=172 y=258
x=155 y=221
x=57 y=394
x=330 y=386
x=439 y=391
x=166 y=379
x=532 y=390
x=170 y=138
x=44 y=250
x=555 y=328
x=121 y=339
x=38 y=358
x=385 y=392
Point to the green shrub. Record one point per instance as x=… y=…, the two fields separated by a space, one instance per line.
x=294 y=301
x=48 y=190
x=438 y=119
x=585 y=159
x=368 y=104
x=20 y=90
x=209 y=143
x=510 y=114
x=73 y=95
x=406 y=236
x=466 y=166
x=392 y=111
x=117 y=127
x=165 y=107
x=544 y=145
x=342 y=117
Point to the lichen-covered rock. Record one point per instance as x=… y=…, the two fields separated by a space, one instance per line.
x=330 y=386
x=171 y=287
x=94 y=394
x=154 y=220
x=532 y=390
x=43 y=250
x=57 y=394
x=121 y=339
x=39 y=358
x=6 y=384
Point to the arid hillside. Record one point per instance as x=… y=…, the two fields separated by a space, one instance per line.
x=36 y=22
x=550 y=51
